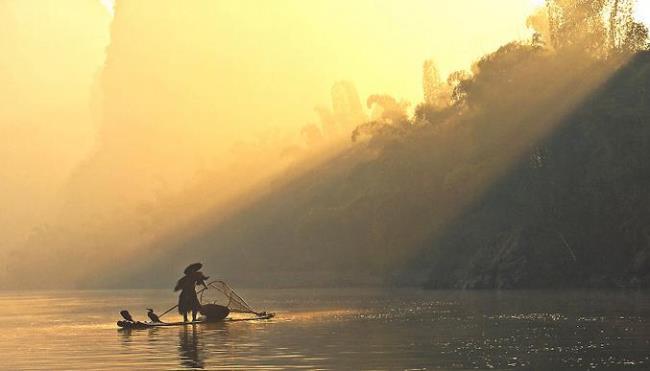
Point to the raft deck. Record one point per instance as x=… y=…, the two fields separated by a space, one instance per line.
x=144 y=325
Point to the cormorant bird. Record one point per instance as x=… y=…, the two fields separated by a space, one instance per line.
x=152 y=316
x=127 y=315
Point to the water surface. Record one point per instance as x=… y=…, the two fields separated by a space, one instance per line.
x=335 y=329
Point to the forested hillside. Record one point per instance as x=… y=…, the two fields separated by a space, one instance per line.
x=531 y=170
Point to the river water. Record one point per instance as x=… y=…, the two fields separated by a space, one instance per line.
x=359 y=329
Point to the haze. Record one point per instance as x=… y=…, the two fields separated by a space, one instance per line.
x=106 y=114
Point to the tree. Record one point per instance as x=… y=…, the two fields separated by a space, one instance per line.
x=346 y=104
x=436 y=92
x=636 y=38
x=387 y=109
x=597 y=26
x=578 y=24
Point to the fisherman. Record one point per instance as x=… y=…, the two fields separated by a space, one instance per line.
x=188 y=300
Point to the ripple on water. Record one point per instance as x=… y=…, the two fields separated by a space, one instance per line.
x=334 y=329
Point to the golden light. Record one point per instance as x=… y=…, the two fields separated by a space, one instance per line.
x=109 y=5
x=180 y=89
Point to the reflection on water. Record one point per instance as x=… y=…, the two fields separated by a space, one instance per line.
x=189 y=348
x=336 y=329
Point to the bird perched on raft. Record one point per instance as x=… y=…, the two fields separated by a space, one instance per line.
x=153 y=316
x=126 y=315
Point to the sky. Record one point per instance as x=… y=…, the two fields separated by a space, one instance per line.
x=643 y=11
x=270 y=64
x=363 y=41
x=198 y=85
x=52 y=52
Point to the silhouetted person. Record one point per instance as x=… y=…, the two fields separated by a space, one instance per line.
x=187 y=300
x=126 y=315
x=152 y=316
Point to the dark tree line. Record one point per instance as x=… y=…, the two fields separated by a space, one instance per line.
x=546 y=147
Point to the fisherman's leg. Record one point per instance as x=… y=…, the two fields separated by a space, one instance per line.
x=185 y=317
x=193 y=315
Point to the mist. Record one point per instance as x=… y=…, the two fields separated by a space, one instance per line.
x=51 y=57
x=463 y=193
x=214 y=131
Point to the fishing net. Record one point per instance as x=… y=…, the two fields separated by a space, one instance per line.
x=218 y=292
